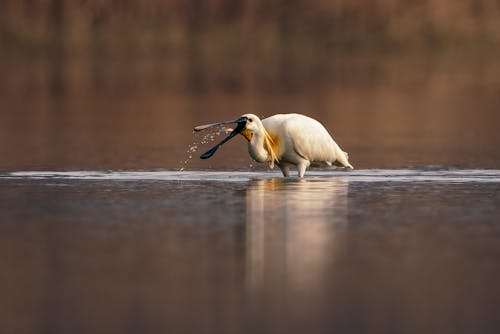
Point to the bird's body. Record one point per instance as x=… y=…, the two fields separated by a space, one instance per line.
x=288 y=140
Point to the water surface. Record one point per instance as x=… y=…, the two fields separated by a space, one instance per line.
x=379 y=251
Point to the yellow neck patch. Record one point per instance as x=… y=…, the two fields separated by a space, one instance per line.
x=247 y=134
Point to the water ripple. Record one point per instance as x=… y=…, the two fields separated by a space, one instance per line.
x=362 y=175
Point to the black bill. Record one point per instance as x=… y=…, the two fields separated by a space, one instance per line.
x=207 y=126
x=241 y=125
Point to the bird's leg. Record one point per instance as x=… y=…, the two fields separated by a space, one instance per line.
x=301 y=167
x=285 y=169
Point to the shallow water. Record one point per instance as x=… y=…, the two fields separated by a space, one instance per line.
x=367 y=175
x=379 y=251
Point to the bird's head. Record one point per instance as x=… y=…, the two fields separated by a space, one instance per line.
x=246 y=125
x=252 y=125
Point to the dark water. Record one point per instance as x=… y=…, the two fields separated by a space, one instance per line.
x=368 y=251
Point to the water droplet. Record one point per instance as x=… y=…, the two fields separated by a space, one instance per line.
x=201 y=138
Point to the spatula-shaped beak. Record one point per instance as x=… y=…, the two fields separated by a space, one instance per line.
x=242 y=121
x=207 y=126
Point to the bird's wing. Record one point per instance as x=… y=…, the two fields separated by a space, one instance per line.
x=310 y=139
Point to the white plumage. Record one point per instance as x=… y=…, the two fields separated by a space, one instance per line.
x=286 y=140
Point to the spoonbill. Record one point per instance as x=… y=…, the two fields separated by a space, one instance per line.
x=285 y=140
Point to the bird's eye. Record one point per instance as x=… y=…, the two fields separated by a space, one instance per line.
x=250 y=120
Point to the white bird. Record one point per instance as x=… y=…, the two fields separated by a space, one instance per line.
x=285 y=140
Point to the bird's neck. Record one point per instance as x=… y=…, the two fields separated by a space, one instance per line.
x=263 y=147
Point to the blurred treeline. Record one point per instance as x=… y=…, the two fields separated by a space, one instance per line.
x=242 y=27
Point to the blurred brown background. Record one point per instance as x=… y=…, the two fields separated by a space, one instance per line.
x=120 y=84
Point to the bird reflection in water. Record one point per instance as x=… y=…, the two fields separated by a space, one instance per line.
x=291 y=228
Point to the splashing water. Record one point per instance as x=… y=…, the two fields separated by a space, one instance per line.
x=202 y=138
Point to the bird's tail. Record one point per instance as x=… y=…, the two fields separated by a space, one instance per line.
x=342 y=158
x=347 y=159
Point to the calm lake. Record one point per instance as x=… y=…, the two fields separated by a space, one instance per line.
x=379 y=251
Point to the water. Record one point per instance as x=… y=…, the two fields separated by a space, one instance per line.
x=368 y=175
x=378 y=251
